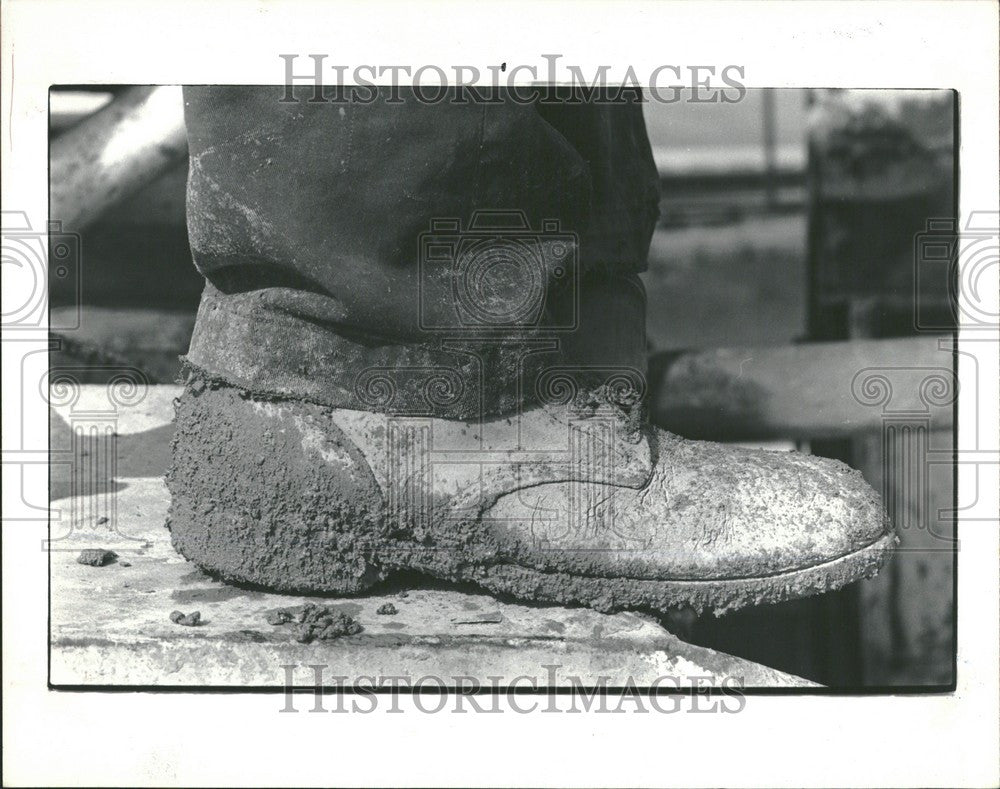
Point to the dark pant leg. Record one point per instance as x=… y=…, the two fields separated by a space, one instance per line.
x=342 y=238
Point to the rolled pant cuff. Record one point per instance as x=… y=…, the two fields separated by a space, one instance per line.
x=240 y=341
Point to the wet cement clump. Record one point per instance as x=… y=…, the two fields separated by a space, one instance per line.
x=188 y=620
x=319 y=623
x=96 y=557
x=253 y=501
x=387 y=609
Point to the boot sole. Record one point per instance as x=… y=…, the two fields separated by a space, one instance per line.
x=238 y=559
x=717 y=595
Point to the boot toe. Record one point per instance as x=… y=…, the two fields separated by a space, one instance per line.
x=711 y=512
x=766 y=513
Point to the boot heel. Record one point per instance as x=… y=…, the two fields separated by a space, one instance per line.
x=271 y=493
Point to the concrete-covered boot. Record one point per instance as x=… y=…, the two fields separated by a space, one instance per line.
x=386 y=376
x=571 y=503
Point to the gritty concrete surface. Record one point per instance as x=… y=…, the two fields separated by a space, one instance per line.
x=111 y=625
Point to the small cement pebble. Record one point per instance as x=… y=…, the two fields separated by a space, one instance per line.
x=188 y=620
x=102 y=520
x=320 y=623
x=279 y=617
x=387 y=609
x=96 y=557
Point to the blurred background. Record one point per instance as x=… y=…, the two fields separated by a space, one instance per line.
x=794 y=267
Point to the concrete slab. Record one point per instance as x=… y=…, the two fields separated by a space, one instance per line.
x=110 y=625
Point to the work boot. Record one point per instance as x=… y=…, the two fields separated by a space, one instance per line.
x=384 y=376
x=570 y=504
